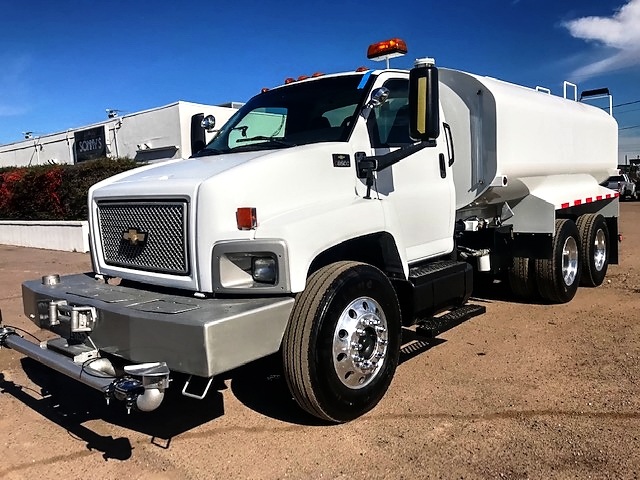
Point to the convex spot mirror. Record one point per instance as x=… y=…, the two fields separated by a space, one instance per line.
x=378 y=97
x=208 y=123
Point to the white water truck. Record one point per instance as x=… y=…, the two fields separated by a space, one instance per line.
x=327 y=214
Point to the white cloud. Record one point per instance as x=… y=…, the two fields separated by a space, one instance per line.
x=619 y=32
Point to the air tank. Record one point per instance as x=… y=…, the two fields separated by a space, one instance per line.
x=506 y=134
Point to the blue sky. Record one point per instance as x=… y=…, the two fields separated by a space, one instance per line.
x=63 y=63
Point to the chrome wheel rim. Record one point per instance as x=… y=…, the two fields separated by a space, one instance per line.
x=360 y=343
x=569 y=261
x=599 y=250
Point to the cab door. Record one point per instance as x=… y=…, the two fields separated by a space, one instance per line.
x=417 y=193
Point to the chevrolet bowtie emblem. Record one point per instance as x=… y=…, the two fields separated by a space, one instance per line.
x=134 y=237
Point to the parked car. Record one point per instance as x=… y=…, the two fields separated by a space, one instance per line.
x=623 y=184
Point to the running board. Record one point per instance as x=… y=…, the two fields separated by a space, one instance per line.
x=434 y=326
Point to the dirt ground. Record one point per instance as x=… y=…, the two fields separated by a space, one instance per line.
x=524 y=391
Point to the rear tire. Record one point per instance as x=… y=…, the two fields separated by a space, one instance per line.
x=558 y=277
x=594 y=243
x=522 y=279
x=342 y=344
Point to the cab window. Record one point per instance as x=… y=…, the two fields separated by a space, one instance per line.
x=389 y=124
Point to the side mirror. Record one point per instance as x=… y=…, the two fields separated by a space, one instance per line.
x=208 y=123
x=424 y=99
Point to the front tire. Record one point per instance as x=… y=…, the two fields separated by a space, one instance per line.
x=558 y=277
x=594 y=242
x=342 y=343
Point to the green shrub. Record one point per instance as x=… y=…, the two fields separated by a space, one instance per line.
x=54 y=192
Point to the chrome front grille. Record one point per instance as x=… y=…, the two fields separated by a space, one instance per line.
x=150 y=236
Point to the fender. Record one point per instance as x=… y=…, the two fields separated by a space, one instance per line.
x=310 y=231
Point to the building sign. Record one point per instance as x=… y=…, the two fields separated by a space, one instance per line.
x=90 y=144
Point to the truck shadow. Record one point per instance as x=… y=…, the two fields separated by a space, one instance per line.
x=485 y=291
x=260 y=386
x=69 y=404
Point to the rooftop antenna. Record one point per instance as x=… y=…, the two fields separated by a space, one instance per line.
x=112 y=112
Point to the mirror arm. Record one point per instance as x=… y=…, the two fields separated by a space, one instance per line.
x=367 y=165
x=391 y=158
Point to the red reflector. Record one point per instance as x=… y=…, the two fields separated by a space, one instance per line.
x=564 y=205
x=577 y=202
x=599 y=197
x=289 y=80
x=246 y=218
x=387 y=49
x=617 y=194
x=589 y=199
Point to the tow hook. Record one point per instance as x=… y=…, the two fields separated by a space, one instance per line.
x=142 y=387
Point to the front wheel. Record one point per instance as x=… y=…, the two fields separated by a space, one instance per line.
x=342 y=343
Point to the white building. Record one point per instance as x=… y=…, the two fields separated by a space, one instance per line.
x=162 y=133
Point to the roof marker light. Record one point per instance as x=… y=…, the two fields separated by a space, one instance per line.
x=289 y=80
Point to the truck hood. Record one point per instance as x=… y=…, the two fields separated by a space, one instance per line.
x=173 y=178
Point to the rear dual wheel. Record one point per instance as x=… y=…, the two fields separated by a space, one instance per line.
x=522 y=278
x=556 y=279
x=580 y=255
x=594 y=242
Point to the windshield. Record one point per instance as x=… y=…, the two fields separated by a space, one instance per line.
x=299 y=114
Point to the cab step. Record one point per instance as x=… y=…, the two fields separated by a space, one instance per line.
x=434 y=326
x=434 y=287
x=420 y=274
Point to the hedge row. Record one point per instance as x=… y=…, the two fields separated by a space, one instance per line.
x=54 y=192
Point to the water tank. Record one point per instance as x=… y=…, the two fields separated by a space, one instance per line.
x=503 y=133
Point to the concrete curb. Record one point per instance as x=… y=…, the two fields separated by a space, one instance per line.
x=70 y=236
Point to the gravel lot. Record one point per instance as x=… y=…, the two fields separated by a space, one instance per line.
x=524 y=391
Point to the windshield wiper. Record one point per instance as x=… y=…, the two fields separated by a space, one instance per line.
x=269 y=139
x=208 y=151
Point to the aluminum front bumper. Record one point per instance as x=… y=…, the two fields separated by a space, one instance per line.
x=196 y=336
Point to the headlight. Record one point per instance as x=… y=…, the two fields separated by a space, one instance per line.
x=247 y=266
x=264 y=269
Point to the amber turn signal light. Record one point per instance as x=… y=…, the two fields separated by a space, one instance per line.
x=246 y=218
